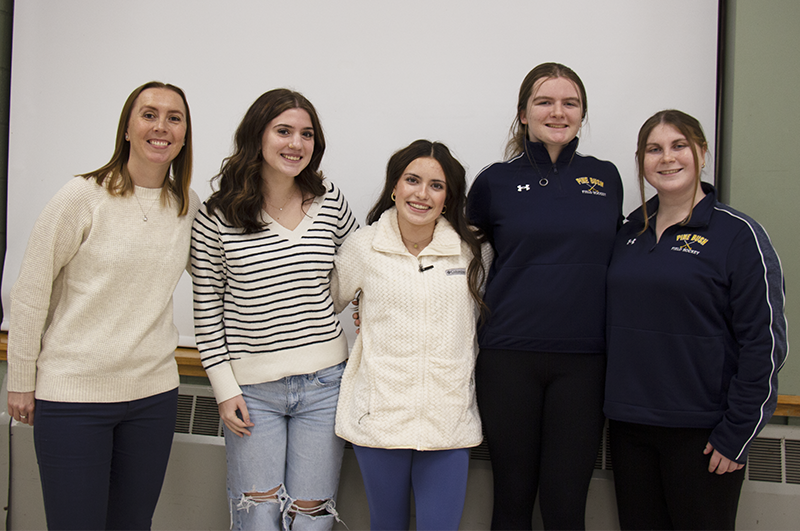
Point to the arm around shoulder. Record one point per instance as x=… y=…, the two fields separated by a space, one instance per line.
x=346 y=223
x=479 y=202
x=348 y=267
x=209 y=278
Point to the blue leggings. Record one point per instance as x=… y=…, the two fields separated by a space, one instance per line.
x=438 y=478
x=102 y=464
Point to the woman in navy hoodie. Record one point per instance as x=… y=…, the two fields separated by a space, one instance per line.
x=696 y=336
x=551 y=215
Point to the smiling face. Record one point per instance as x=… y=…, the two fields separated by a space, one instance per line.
x=420 y=194
x=669 y=162
x=287 y=144
x=156 y=130
x=553 y=114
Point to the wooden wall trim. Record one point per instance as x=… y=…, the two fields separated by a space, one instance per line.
x=188 y=360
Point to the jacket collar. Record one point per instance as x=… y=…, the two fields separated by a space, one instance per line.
x=539 y=153
x=387 y=239
x=701 y=213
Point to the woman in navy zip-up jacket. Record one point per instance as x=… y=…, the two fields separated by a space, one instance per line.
x=551 y=215
x=696 y=336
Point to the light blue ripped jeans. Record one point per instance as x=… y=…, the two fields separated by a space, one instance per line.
x=293 y=448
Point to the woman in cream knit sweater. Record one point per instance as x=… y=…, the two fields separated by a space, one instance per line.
x=407 y=400
x=91 y=338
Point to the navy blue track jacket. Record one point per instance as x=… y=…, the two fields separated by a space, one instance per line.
x=546 y=288
x=696 y=326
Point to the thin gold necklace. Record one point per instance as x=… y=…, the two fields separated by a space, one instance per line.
x=416 y=244
x=280 y=209
x=144 y=214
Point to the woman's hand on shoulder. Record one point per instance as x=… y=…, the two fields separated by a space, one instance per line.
x=21 y=406
x=356 y=320
x=236 y=422
x=720 y=464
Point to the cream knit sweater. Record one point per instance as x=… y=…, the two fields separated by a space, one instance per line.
x=409 y=381
x=91 y=312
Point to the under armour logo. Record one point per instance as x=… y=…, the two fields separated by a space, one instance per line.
x=521 y=188
x=631 y=241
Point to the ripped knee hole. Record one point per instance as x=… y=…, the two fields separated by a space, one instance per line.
x=261 y=497
x=311 y=508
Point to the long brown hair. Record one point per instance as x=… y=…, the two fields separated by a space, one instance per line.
x=690 y=128
x=519 y=132
x=455 y=202
x=119 y=181
x=240 y=197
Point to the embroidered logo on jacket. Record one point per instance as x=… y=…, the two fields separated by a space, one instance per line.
x=521 y=187
x=687 y=243
x=594 y=186
x=455 y=271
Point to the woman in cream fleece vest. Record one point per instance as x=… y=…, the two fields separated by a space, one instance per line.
x=407 y=400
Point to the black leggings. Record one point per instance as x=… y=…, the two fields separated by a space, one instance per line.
x=543 y=417
x=662 y=480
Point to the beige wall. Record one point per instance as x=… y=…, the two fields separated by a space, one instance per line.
x=760 y=161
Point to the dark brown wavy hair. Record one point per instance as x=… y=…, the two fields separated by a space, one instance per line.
x=455 y=202
x=241 y=193
x=119 y=181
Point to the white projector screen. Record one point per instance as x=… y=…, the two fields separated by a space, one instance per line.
x=381 y=74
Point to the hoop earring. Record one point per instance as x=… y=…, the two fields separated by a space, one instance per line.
x=444 y=210
x=393 y=198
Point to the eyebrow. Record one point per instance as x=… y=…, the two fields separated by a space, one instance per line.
x=672 y=142
x=571 y=98
x=418 y=177
x=292 y=127
x=153 y=108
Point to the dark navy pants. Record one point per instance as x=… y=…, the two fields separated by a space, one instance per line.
x=543 y=418
x=438 y=479
x=662 y=480
x=102 y=464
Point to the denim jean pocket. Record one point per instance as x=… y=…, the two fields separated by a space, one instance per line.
x=329 y=375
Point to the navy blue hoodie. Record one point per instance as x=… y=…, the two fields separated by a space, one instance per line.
x=546 y=287
x=696 y=326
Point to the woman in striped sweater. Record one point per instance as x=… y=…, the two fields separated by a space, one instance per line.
x=270 y=341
